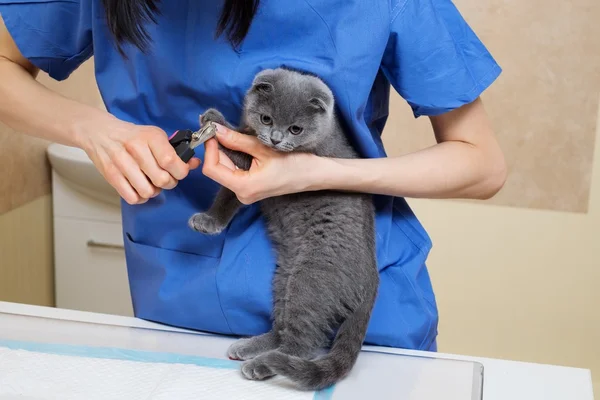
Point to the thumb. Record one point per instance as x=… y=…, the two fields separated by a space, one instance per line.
x=238 y=141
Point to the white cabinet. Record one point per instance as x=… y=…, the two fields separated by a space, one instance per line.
x=89 y=258
x=90 y=267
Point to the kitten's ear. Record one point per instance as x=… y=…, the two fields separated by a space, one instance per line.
x=320 y=102
x=321 y=96
x=262 y=82
x=263 y=87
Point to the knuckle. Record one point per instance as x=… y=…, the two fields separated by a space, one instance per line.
x=245 y=197
x=146 y=192
x=152 y=131
x=163 y=180
x=207 y=170
x=130 y=199
x=132 y=146
x=185 y=173
x=168 y=159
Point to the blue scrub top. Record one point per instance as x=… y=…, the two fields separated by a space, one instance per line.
x=424 y=49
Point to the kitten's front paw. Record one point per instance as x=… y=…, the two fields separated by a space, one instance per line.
x=212 y=115
x=256 y=369
x=205 y=223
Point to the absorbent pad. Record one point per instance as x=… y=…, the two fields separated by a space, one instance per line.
x=45 y=372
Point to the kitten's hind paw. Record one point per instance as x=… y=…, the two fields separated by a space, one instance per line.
x=246 y=349
x=205 y=223
x=212 y=115
x=256 y=370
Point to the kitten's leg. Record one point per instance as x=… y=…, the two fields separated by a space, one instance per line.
x=301 y=319
x=300 y=310
x=241 y=160
x=226 y=203
x=218 y=216
x=245 y=349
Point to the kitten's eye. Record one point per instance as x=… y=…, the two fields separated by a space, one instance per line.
x=295 y=130
x=266 y=120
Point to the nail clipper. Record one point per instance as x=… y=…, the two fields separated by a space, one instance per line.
x=185 y=141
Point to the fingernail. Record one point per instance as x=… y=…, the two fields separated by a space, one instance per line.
x=221 y=130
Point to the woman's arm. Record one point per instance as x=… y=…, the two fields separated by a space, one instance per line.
x=137 y=161
x=465 y=163
x=28 y=106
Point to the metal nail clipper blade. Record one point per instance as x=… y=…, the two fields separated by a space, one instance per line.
x=185 y=141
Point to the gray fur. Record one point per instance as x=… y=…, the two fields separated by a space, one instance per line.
x=326 y=279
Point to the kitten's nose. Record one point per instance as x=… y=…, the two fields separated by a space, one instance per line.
x=276 y=137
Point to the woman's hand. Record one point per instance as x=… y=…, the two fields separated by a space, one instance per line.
x=272 y=173
x=138 y=161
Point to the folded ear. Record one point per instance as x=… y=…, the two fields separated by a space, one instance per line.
x=318 y=103
x=263 y=82
x=262 y=87
x=322 y=100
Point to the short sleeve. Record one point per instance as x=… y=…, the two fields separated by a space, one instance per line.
x=433 y=58
x=54 y=35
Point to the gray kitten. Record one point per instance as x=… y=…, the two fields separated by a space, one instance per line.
x=326 y=279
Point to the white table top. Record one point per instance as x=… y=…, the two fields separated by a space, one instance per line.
x=504 y=380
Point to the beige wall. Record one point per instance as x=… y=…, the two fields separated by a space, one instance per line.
x=26 y=261
x=518 y=283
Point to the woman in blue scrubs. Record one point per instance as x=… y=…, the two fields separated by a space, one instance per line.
x=159 y=65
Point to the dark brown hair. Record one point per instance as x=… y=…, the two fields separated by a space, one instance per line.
x=126 y=20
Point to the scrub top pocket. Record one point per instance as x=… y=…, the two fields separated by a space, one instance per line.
x=172 y=283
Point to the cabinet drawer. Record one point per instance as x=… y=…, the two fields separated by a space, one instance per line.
x=90 y=267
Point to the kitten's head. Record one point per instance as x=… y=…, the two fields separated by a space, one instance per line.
x=289 y=110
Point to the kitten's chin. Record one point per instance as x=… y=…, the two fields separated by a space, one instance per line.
x=281 y=147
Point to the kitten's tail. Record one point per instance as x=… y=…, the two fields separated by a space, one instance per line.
x=327 y=370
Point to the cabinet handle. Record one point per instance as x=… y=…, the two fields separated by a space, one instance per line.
x=100 y=245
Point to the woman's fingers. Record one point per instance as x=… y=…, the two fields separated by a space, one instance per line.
x=220 y=172
x=134 y=175
x=142 y=154
x=239 y=141
x=167 y=158
x=223 y=171
x=115 y=178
